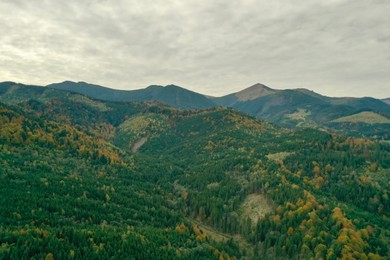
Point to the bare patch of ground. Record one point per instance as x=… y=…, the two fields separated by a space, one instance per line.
x=302 y=117
x=221 y=237
x=254 y=92
x=301 y=114
x=135 y=147
x=278 y=156
x=213 y=185
x=254 y=207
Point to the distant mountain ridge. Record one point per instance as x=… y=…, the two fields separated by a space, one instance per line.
x=300 y=107
x=172 y=95
x=290 y=108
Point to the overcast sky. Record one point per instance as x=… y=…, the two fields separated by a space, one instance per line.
x=334 y=47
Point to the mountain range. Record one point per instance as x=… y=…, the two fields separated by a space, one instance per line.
x=83 y=178
x=292 y=108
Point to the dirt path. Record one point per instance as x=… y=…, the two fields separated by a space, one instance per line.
x=138 y=144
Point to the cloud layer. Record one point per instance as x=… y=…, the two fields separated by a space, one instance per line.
x=334 y=47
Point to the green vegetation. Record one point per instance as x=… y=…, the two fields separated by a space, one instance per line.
x=291 y=108
x=364 y=117
x=301 y=108
x=172 y=95
x=205 y=184
x=138 y=128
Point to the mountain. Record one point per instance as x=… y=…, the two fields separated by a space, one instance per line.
x=287 y=108
x=87 y=178
x=297 y=108
x=292 y=108
x=386 y=100
x=256 y=91
x=171 y=94
x=282 y=106
x=16 y=91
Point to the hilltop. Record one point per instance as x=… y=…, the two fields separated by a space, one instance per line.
x=291 y=108
x=202 y=184
x=171 y=94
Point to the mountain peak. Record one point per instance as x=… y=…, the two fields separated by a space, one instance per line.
x=172 y=86
x=259 y=85
x=154 y=87
x=255 y=91
x=159 y=87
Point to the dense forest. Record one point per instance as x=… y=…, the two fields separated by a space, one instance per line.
x=83 y=178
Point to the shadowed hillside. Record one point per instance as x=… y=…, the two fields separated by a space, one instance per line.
x=171 y=94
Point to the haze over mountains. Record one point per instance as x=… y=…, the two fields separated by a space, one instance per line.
x=258 y=100
x=171 y=94
x=288 y=108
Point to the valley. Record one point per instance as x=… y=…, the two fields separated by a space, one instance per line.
x=89 y=178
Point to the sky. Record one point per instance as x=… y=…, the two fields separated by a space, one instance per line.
x=334 y=47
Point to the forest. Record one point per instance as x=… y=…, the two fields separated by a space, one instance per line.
x=206 y=184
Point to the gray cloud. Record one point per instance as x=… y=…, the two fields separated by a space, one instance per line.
x=334 y=47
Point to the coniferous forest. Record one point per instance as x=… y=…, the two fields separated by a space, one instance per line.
x=87 y=179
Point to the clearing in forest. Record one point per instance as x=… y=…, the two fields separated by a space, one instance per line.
x=221 y=237
x=138 y=144
x=254 y=207
x=367 y=117
x=278 y=156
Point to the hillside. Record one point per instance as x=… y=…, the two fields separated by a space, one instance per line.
x=202 y=184
x=366 y=123
x=292 y=108
x=171 y=94
x=386 y=100
x=256 y=91
x=297 y=108
x=364 y=117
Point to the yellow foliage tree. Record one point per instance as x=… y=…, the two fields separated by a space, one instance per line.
x=49 y=256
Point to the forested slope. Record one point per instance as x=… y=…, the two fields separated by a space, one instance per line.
x=212 y=183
